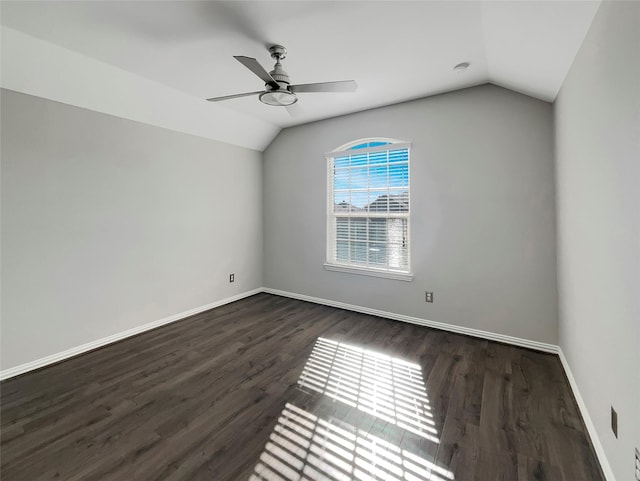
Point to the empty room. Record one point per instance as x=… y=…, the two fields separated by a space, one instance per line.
x=320 y=240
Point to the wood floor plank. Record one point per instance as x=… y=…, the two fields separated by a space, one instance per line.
x=219 y=395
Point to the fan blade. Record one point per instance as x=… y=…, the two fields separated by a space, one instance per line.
x=253 y=65
x=340 y=86
x=227 y=97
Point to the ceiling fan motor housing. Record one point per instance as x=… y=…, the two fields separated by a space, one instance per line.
x=280 y=76
x=278 y=52
x=280 y=96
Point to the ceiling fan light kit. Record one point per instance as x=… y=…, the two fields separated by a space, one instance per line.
x=278 y=98
x=278 y=89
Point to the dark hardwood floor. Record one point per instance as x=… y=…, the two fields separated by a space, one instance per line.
x=278 y=389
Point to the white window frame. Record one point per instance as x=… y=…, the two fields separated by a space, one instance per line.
x=331 y=263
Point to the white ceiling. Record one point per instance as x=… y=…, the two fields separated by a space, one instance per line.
x=394 y=50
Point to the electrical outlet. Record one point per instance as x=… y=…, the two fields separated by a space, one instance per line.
x=232 y=277
x=428 y=296
x=614 y=422
x=637 y=465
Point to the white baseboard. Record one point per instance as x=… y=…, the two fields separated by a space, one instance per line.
x=516 y=341
x=492 y=336
x=74 y=351
x=591 y=429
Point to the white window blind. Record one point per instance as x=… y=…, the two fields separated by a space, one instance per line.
x=368 y=207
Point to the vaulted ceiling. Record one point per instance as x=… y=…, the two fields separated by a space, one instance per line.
x=156 y=61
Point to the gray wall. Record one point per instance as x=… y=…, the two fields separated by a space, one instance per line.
x=108 y=224
x=598 y=182
x=483 y=212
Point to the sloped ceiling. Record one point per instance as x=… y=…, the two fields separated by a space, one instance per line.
x=156 y=62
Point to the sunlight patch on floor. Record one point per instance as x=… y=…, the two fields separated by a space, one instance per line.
x=389 y=388
x=308 y=448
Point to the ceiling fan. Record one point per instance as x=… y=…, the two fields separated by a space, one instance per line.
x=278 y=89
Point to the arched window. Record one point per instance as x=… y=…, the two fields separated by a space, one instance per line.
x=368 y=210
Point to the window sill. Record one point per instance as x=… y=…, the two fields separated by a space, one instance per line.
x=398 y=276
